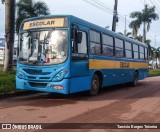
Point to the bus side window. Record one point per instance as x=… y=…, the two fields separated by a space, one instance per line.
x=128 y=50
x=146 y=54
x=107 y=45
x=135 y=51
x=95 y=42
x=79 y=46
x=141 y=50
x=79 y=41
x=82 y=47
x=119 y=48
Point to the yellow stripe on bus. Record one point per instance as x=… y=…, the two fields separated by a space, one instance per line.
x=109 y=64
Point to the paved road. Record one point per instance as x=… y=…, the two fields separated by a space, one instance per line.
x=112 y=105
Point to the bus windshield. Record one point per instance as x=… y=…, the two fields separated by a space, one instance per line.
x=43 y=47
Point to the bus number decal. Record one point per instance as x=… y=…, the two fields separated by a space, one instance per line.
x=124 y=65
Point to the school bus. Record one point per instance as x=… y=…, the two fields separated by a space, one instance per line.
x=65 y=54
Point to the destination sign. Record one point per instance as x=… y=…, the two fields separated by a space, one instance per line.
x=44 y=23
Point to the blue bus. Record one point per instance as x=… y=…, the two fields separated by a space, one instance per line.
x=65 y=54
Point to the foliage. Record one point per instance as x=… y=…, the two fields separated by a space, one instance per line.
x=127 y=34
x=3 y=1
x=154 y=72
x=30 y=8
x=7 y=81
x=135 y=25
x=144 y=17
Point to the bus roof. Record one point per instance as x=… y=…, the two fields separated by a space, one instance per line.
x=91 y=26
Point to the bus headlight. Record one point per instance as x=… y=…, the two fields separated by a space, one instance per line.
x=20 y=75
x=60 y=75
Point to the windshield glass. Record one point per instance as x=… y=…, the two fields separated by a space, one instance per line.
x=44 y=47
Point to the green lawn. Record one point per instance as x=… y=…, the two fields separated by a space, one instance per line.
x=7 y=81
x=155 y=72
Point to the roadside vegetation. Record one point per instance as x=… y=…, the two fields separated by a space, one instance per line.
x=7 y=81
x=155 y=72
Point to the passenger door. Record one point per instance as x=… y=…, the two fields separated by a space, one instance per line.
x=79 y=62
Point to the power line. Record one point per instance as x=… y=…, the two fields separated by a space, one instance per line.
x=154 y=5
x=142 y=2
x=95 y=5
x=100 y=5
x=104 y=5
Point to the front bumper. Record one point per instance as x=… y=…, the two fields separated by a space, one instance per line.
x=43 y=86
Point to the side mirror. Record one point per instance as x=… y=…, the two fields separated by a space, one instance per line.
x=79 y=37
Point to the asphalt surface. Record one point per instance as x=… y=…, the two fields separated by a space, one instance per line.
x=117 y=104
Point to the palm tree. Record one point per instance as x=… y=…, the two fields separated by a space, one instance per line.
x=135 y=25
x=144 y=17
x=9 y=33
x=3 y=1
x=155 y=56
x=29 y=8
x=139 y=37
x=148 y=42
x=158 y=55
x=127 y=34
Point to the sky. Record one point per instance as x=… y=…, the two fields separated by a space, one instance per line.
x=101 y=16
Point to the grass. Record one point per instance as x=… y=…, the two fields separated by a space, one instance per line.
x=155 y=72
x=7 y=81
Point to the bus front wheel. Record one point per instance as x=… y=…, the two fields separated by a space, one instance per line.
x=95 y=85
x=135 y=81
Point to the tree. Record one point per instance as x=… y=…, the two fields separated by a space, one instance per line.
x=135 y=25
x=127 y=34
x=158 y=55
x=3 y=1
x=9 y=33
x=29 y=8
x=144 y=17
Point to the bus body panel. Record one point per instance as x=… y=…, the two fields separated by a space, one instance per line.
x=79 y=84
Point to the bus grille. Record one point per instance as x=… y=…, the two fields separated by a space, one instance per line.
x=36 y=72
x=39 y=85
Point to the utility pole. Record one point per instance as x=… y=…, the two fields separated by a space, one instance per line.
x=125 y=30
x=115 y=16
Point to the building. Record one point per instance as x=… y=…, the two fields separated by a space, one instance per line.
x=2 y=46
x=2 y=50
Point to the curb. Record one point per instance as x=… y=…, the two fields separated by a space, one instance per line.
x=16 y=93
x=154 y=76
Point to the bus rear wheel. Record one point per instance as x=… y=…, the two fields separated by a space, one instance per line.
x=95 y=85
x=135 y=81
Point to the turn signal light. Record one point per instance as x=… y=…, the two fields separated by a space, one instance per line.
x=58 y=87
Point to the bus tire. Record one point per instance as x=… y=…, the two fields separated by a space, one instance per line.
x=135 y=81
x=95 y=85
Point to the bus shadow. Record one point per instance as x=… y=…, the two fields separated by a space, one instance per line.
x=117 y=92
